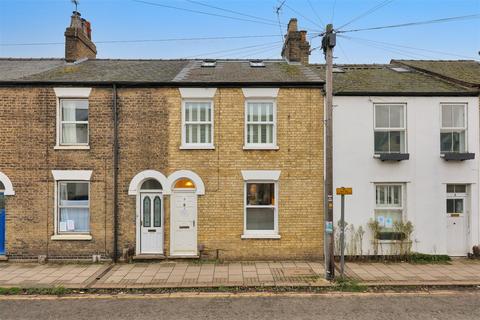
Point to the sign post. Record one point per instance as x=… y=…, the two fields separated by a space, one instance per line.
x=342 y=192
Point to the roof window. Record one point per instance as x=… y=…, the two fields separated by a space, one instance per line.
x=257 y=64
x=209 y=63
x=400 y=69
x=337 y=70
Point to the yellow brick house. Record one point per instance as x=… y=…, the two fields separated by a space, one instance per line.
x=161 y=158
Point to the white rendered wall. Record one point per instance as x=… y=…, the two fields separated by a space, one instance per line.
x=425 y=174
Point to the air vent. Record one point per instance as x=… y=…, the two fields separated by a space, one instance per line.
x=400 y=69
x=210 y=63
x=257 y=64
x=337 y=70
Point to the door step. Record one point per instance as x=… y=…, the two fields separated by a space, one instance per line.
x=184 y=257
x=149 y=257
x=3 y=258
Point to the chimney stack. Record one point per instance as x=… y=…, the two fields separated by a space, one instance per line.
x=78 y=40
x=296 y=47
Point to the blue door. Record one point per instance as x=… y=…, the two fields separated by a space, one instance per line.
x=2 y=224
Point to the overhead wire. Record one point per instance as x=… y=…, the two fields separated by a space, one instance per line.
x=230 y=11
x=315 y=12
x=203 y=12
x=145 y=40
x=368 y=12
x=409 y=47
x=305 y=17
x=417 y=23
x=233 y=49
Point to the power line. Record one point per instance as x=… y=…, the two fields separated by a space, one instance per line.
x=366 y=13
x=402 y=52
x=408 y=47
x=233 y=49
x=142 y=40
x=333 y=11
x=315 y=12
x=202 y=12
x=410 y=24
x=230 y=11
x=303 y=16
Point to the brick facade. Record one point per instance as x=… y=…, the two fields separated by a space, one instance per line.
x=149 y=138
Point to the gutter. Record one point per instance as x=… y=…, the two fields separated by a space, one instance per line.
x=408 y=94
x=115 y=173
x=169 y=84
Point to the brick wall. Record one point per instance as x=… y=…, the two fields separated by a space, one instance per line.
x=149 y=138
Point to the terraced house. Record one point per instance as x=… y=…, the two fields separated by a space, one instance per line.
x=415 y=134
x=160 y=158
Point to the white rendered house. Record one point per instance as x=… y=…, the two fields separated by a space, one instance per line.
x=408 y=145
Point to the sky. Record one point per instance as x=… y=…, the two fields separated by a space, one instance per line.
x=44 y=21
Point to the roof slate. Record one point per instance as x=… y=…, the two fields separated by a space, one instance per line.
x=465 y=71
x=156 y=71
x=382 y=80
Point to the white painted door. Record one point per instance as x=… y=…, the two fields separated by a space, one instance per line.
x=184 y=223
x=151 y=223
x=456 y=226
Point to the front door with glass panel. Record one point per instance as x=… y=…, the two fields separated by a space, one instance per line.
x=456 y=220
x=151 y=223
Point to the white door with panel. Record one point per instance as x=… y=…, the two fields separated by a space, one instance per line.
x=183 y=223
x=151 y=223
x=457 y=218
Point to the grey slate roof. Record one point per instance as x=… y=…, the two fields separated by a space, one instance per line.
x=175 y=72
x=11 y=69
x=463 y=71
x=381 y=79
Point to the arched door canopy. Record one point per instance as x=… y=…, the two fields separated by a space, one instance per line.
x=8 y=191
x=141 y=177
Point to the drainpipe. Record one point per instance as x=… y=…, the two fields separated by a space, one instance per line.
x=115 y=174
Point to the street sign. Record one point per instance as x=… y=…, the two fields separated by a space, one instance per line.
x=344 y=191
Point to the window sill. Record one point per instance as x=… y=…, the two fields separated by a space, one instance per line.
x=71 y=148
x=261 y=147
x=457 y=156
x=261 y=236
x=71 y=237
x=183 y=147
x=392 y=156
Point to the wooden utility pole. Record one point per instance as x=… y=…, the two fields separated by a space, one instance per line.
x=328 y=43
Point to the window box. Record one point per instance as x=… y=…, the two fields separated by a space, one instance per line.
x=392 y=156
x=458 y=156
x=399 y=236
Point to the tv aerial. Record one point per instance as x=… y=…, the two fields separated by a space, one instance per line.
x=75 y=2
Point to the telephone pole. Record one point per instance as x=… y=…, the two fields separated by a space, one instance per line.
x=328 y=43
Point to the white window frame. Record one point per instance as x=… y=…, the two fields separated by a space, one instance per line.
x=74 y=94
x=392 y=208
x=59 y=207
x=70 y=176
x=450 y=129
x=388 y=129
x=260 y=234
x=261 y=146
x=184 y=144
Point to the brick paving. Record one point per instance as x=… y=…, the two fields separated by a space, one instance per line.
x=458 y=271
x=180 y=274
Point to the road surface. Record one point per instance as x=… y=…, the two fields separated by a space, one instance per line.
x=445 y=305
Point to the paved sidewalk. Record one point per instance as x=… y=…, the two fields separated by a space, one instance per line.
x=48 y=275
x=163 y=275
x=171 y=274
x=457 y=271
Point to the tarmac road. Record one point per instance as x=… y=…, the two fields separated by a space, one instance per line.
x=439 y=305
